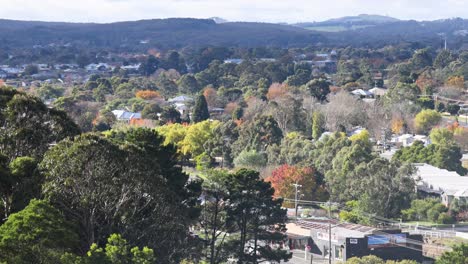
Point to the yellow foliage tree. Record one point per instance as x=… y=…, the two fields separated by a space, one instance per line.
x=397 y=125
x=147 y=94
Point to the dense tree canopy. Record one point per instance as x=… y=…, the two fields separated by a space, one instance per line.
x=37 y=234
x=136 y=190
x=29 y=126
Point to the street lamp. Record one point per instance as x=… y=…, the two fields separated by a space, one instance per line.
x=296 y=186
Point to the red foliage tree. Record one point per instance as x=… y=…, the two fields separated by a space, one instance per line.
x=283 y=178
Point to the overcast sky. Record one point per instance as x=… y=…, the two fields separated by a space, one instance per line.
x=233 y=10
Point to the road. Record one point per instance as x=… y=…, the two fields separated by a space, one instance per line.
x=298 y=258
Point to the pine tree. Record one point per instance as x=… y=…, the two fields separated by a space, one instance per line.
x=200 y=112
x=258 y=217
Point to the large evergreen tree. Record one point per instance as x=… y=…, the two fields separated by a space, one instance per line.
x=258 y=217
x=128 y=184
x=200 y=112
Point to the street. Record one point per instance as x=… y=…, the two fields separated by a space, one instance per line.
x=299 y=258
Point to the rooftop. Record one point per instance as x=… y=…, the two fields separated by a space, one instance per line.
x=344 y=230
x=442 y=180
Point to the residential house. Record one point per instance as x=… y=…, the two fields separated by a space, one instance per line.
x=126 y=116
x=441 y=183
x=362 y=93
x=234 y=61
x=407 y=140
x=378 y=92
x=181 y=99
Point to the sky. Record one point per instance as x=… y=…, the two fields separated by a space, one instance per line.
x=290 y=11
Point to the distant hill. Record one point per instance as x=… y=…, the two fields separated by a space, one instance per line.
x=363 y=18
x=348 y=23
x=423 y=32
x=178 y=33
x=159 y=33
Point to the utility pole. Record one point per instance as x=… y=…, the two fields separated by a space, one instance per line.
x=329 y=234
x=295 y=198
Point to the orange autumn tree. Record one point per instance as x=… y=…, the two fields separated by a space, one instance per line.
x=211 y=96
x=456 y=81
x=283 y=178
x=147 y=94
x=397 y=125
x=277 y=90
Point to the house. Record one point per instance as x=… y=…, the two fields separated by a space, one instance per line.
x=234 y=61
x=182 y=108
x=215 y=111
x=267 y=60
x=351 y=240
x=362 y=93
x=378 y=92
x=181 y=99
x=93 y=67
x=407 y=140
x=440 y=183
x=126 y=116
x=132 y=67
x=355 y=131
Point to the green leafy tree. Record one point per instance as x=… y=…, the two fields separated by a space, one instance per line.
x=258 y=134
x=421 y=58
x=19 y=183
x=200 y=111
x=424 y=210
x=116 y=251
x=258 y=217
x=37 y=234
x=196 y=137
x=301 y=77
x=166 y=85
x=453 y=109
x=29 y=126
x=376 y=260
x=445 y=155
x=318 y=125
x=188 y=84
x=31 y=70
x=293 y=150
x=137 y=190
x=149 y=66
x=250 y=159
x=458 y=255
x=174 y=61
x=443 y=59
x=440 y=136
x=220 y=143
x=318 y=88
x=151 y=111
x=402 y=92
x=426 y=120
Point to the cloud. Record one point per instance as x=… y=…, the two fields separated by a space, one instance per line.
x=234 y=10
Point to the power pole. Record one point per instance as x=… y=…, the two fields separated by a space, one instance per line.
x=329 y=234
x=295 y=198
